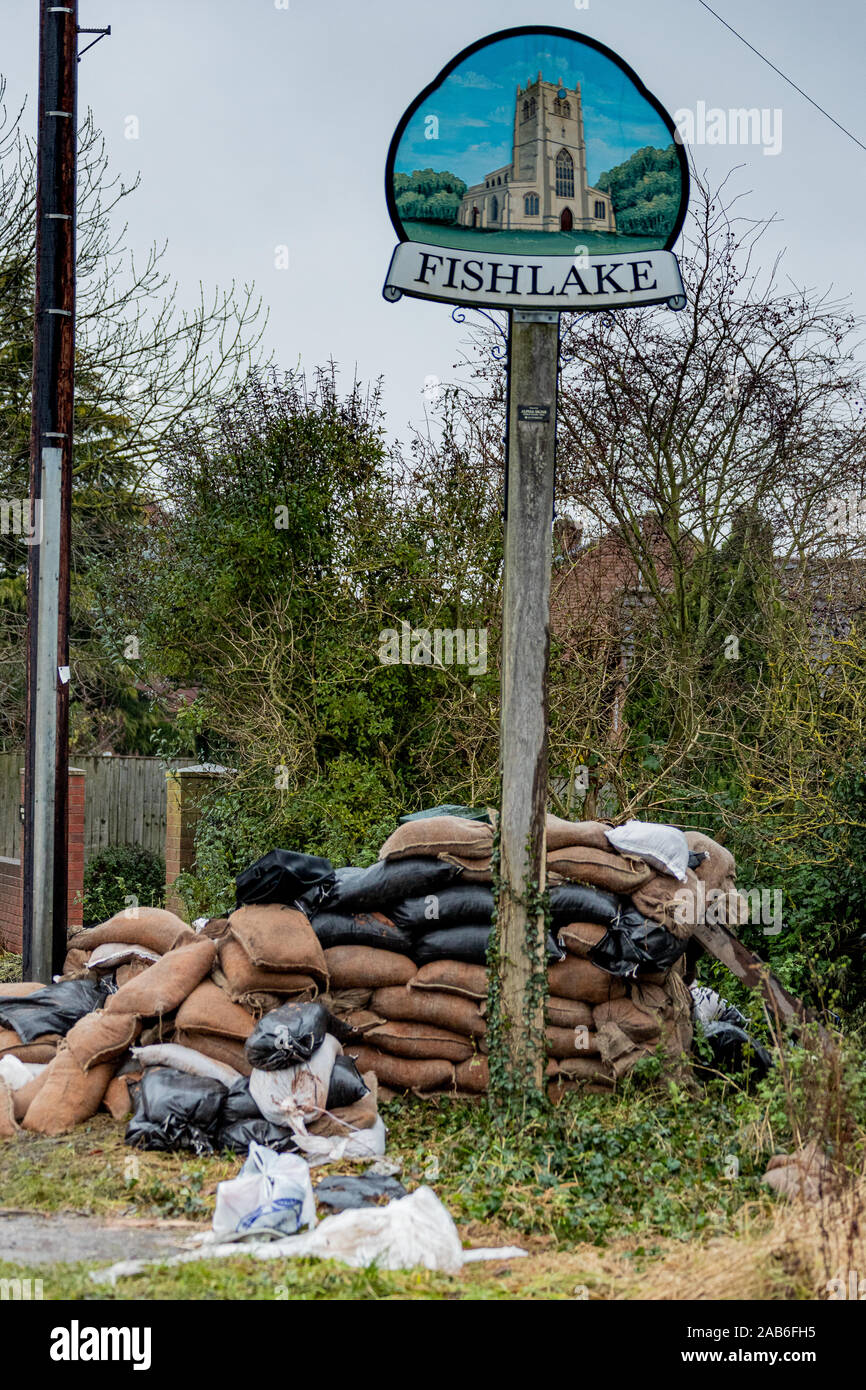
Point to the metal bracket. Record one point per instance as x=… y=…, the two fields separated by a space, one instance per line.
x=101 y=34
x=535 y=315
x=499 y=351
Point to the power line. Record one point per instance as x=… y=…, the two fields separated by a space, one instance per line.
x=783 y=75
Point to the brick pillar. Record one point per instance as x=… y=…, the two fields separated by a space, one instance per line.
x=11 y=910
x=185 y=787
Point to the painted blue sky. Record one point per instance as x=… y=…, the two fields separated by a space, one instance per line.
x=475 y=107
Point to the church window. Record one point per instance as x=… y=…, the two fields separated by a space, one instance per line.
x=530 y=205
x=526 y=110
x=564 y=175
x=494 y=209
x=599 y=210
x=562 y=108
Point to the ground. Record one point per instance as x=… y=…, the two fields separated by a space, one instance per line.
x=527 y=243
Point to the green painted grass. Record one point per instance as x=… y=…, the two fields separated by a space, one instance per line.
x=527 y=243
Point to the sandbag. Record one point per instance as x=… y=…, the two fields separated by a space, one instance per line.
x=346 y=1086
x=358 y=966
x=719 y=869
x=112 y=954
x=361 y=1114
x=239 y=1104
x=568 y=1013
x=470 y=870
x=367 y=890
x=403 y=1073
x=41 y=1049
x=117 y=1099
x=362 y=1020
x=288 y=1035
x=453 y=977
x=282 y=876
x=68 y=1095
x=226 y=1050
x=579 y=902
x=449 y=1011
x=466 y=943
x=208 y=1009
x=124 y=973
x=566 y=834
x=363 y=929
x=294 y=1094
x=637 y=1023
x=459 y=904
x=152 y=927
x=466 y=812
x=174 y=1110
x=75 y=965
x=186 y=1059
x=19 y=989
x=663 y=847
x=665 y=900
x=578 y=938
x=24 y=1096
x=433 y=835
x=585 y=1069
x=8 y=1122
x=574 y=978
x=237 y=1136
x=279 y=938
x=634 y=942
x=346 y=1001
x=102 y=1037
x=166 y=984
x=245 y=981
x=473 y=1075
x=603 y=869
x=571 y=1042
x=53 y=1009
x=419 y=1040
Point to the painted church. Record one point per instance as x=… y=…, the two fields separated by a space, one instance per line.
x=544 y=188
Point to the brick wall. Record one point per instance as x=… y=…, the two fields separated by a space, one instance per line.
x=10 y=904
x=185 y=788
x=10 y=872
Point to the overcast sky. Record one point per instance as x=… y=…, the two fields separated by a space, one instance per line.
x=262 y=126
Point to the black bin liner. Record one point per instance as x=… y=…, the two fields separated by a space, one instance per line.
x=239 y=1135
x=578 y=902
x=343 y=1191
x=344 y=929
x=287 y=1035
x=239 y=1104
x=282 y=876
x=467 y=944
x=346 y=1084
x=465 y=812
x=633 y=943
x=389 y=880
x=458 y=903
x=174 y=1110
x=53 y=1009
x=734 y=1051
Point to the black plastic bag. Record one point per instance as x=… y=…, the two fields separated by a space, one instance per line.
x=174 y=1110
x=633 y=943
x=465 y=812
x=578 y=902
x=343 y=929
x=466 y=943
x=287 y=1035
x=458 y=903
x=282 y=876
x=240 y=1134
x=53 y=1009
x=239 y=1104
x=346 y=1085
x=696 y=857
x=389 y=880
x=343 y=1191
x=734 y=1051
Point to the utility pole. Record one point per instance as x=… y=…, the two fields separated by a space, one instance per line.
x=46 y=758
x=531 y=451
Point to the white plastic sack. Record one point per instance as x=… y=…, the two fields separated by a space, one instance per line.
x=185 y=1059
x=360 y=1144
x=17 y=1073
x=662 y=846
x=272 y=1193
x=295 y=1094
x=116 y=953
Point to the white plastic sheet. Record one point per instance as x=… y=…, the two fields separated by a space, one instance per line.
x=662 y=846
x=272 y=1193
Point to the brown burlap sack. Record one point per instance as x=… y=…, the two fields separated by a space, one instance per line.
x=167 y=983
x=354 y=967
x=25 y=1095
x=677 y=1028
x=42 y=1049
x=571 y=1042
x=75 y=965
x=152 y=927
x=472 y=1076
x=568 y=1013
x=19 y=990
x=637 y=1023
x=474 y=870
x=438 y=835
x=591 y=1069
x=243 y=979
x=558 y=1090
x=209 y=1010
x=675 y=905
x=419 y=1040
x=69 y=1095
x=362 y=1115
x=216 y=928
x=452 y=976
x=613 y=1043
x=566 y=834
x=720 y=870
x=117 y=1100
x=8 y=1123
x=574 y=978
x=227 y=1050
x=101 y=1037
x=124 y=973
x=578 y=938
x=445 y=1010
x=160 y=1031
x=602 y=868
x=362 y=1020
x=346 y=1001
x=402 y=1073
x=649 y=994
x=279 y=938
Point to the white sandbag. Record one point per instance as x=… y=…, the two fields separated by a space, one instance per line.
x=17 y=1074
x=184 y=1059
x=662 y=846
x=360 y=1144
x=272 y=1194
x=113 y=954
x=295 y=1094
